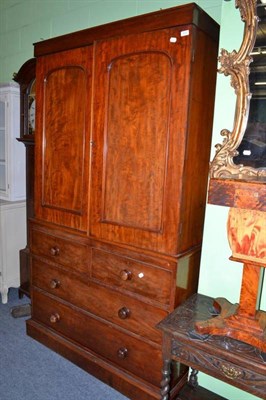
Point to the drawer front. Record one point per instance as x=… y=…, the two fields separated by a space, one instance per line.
x=70 y=254
x=233 y=373
x=144 y=279
x=129 y=353
x=125 y=311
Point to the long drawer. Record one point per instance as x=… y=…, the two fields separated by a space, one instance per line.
x=73 y=255
x=131 y=354
x=128 y=312
x=142 y=278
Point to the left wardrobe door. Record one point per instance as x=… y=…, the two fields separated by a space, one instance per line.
x=63 y=137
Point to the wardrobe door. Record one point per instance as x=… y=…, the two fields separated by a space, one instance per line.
x=62 y=137
x=139 y=124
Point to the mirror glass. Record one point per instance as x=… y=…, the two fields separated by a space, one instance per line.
x=252 y=149
x=31 y=108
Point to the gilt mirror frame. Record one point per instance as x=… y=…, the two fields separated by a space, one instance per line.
x=237 y=66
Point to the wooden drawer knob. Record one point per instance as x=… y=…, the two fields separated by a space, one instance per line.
x=122 y=352
x=54 y=284
x=125 y=275
x=54 y=251
x=124 y=313
x=54 y=318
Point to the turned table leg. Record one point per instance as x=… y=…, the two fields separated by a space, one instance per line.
x=193 y=378
x=166 y=372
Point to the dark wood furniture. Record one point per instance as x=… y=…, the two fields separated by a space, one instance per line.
x=222 y=357
x=124 y=111
x=25 y=77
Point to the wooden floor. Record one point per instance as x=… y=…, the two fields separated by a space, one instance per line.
x=200 y=393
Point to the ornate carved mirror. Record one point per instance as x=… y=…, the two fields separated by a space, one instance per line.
x=243 y=151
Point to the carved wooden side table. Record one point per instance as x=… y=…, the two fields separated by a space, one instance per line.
x=224 y=358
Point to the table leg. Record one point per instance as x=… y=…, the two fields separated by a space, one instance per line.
x=193 y=378
x=166 y=372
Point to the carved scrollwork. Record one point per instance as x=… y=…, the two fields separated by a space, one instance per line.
x=237 y=66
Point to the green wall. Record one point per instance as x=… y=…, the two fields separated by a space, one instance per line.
x=23 y=22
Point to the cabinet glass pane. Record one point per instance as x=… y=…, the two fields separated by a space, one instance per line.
x=2 y=145
x=2 y=114
x=12 y=154
x=2 y=177
x=2 y=130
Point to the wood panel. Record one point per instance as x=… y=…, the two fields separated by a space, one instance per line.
x=136 y=147
x=62 y=138
x=246 y=194
x=198 y=143
x=138 y=202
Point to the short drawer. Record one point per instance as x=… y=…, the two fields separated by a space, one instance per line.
x=68 y=253
x=127 y=352
x=127 y=312
x=144 y=279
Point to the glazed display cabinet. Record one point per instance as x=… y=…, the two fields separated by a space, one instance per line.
x=12 y=154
